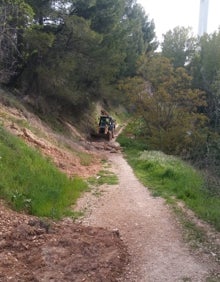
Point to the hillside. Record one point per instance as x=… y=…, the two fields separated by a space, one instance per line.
x=69 y=251
x=32 y=130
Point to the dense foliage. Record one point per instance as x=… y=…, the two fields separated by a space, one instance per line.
x=71 y=50
x=167 y=106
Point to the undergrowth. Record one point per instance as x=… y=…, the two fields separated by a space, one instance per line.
x=32 y=183
x=170 y=177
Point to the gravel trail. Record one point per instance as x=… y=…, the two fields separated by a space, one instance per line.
x=147 y=226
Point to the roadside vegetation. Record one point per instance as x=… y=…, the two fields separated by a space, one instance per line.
x=104 y=176
x=172 y=178
x=31 y=183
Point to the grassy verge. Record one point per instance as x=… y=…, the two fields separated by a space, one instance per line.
x=30 y=182
x=104 y=176
x=171 y=178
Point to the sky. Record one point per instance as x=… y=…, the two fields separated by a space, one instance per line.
x=167 y=14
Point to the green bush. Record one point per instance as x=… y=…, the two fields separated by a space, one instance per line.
x=131 y=143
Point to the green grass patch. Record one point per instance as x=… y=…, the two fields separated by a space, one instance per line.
x=193 y=233
x=130 y=143
x=32 y=183
x=169 y=177
x=104 y=177
x=85 y=158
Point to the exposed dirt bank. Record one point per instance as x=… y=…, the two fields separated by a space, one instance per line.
x=37 y=250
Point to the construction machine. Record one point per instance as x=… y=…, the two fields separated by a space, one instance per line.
x=106 y=127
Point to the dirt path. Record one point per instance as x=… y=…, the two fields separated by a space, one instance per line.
x=147 y=226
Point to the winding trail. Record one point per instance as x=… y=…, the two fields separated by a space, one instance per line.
x=148 y=227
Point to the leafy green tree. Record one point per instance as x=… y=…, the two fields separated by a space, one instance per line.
x=15 y=16
x=103 y=14
x=43 y=10
x=65 y=66
x=168 y=106
x=140 y=36
x=205 y=68
x=179 y=46
x=210 y=56
x=127 y=32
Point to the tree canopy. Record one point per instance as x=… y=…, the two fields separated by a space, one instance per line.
x=167 y=105
x=179 y=45
x=15 y=17
x=71 y=49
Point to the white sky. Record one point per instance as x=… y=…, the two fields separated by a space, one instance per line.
x=168 y=14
